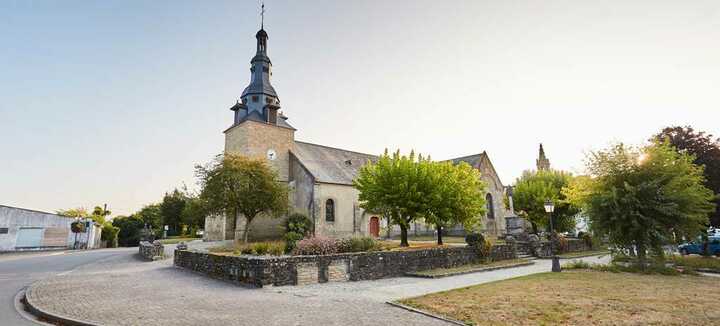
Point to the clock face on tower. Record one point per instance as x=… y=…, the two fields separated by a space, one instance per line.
x=271 y=155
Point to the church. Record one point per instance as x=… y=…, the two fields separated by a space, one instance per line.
x=319 y=177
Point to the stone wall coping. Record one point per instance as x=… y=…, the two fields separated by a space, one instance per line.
x=337 y=255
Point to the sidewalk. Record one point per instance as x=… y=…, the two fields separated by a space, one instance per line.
x=123 y=291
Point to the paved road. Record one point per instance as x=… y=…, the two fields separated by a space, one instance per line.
x=20 y=270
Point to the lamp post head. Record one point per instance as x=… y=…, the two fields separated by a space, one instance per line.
x=549 y=206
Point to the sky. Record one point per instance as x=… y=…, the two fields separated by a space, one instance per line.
x=116 y=101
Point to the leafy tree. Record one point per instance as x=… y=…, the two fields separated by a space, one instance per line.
x=455 y=196
x=193 y=214
x=99 y=213
x=130 y=227
x=73 y=212
x=151 y=215
x=171 y=210
x=641 y=198
x=110 y=234
x=706 y=150
x=531 y=191
x=397 y=185
x=235 y=185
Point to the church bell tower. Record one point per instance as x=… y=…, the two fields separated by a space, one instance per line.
x=259 y=128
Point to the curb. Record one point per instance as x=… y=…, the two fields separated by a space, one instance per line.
x=425 y=313
x=578 y=257
x=54 y=318
x=706 y=270
x=480 y=270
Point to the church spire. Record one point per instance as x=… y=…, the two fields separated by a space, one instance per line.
x=543 y=163
x=260 y=102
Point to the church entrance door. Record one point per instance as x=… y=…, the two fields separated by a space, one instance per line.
x=374 y=226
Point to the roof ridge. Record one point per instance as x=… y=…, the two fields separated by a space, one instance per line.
x=335 y=148
x=466 y=156
x=34 y=210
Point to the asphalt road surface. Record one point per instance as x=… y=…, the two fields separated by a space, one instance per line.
x=18 y=270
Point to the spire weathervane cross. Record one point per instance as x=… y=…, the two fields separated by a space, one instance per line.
x=262 y=15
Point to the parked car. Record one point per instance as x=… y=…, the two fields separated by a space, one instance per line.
x=696 y=246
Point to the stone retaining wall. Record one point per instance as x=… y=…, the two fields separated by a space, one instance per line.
x=151 y=250
x=260 y=271
x=574 y=245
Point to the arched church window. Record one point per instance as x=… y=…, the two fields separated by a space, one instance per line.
x=330 y=210
x=490 y=206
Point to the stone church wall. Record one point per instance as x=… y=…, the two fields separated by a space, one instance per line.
x=253 y=139
x=346 y=216
x=302 y=191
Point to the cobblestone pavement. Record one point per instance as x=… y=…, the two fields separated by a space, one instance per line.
x=124 y=291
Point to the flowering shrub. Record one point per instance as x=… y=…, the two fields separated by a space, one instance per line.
x=316 y=246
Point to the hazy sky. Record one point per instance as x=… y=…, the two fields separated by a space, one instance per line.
x=115 y=101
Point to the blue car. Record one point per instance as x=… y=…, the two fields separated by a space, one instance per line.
x=696 y=246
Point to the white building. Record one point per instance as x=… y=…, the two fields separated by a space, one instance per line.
x=25 y=229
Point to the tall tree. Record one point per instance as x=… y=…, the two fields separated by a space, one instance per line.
x=235 y=185
x=455 y=196
x=706 y=150
x=531 y=191
x=396 y=185
x=171 y=209
x=130 y=226
x=641 y=198
x=193 y=214
x=151 y=215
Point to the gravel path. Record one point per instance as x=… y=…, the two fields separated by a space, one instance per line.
x=124 y=291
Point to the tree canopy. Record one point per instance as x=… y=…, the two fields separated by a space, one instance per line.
x=531 y=191
x=408 y=187
x=171 y=209
x=706 y=150
x=456 y=196
x=642 y=197
x=235 y=185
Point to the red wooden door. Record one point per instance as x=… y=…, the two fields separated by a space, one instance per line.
x=374 y=226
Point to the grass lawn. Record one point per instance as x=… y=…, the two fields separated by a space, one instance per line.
x=581 y=297
x=177 y=240
x=470 y=268
x=579 y=254
x=696 y=262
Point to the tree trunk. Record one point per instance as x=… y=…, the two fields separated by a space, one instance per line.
x=439 y=231
x=389 y=227
x=641 y=253
x=246 y=231
x=534 y=227
x=404 y=236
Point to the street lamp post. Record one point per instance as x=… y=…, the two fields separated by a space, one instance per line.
x=550 y=208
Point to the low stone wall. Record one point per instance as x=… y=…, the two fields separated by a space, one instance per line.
x=260 y=271
x=543 y=250
x=151 y=250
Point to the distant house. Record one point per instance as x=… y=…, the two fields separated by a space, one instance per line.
x=25 y=229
